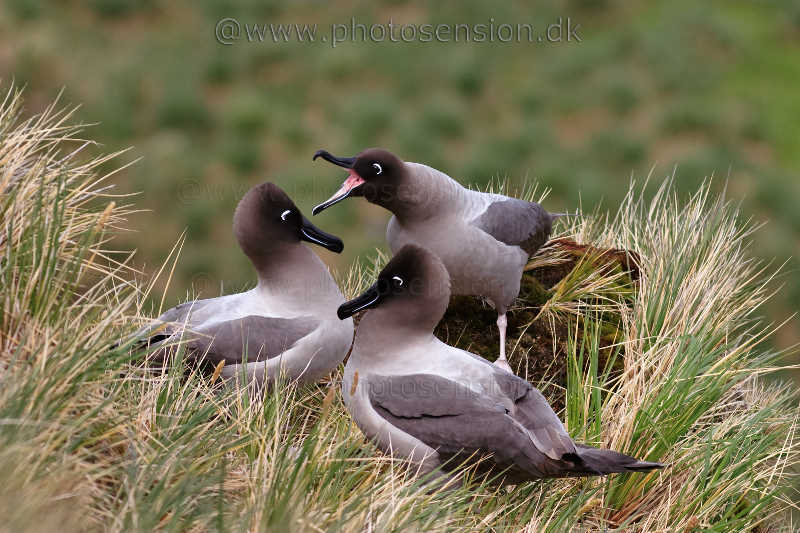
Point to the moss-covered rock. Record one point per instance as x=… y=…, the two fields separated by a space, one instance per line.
x=536 y=344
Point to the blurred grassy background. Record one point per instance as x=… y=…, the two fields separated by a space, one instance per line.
x=711 y=88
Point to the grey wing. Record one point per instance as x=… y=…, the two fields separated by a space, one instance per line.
x=169 y=323
x=516 y=223
x=533 y=412
x=252 y=338
x=457 y=421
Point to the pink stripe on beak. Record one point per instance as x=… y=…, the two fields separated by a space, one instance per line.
x=352 y=181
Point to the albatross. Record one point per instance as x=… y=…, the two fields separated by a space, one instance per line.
x=483 y=239
x=438 y=406
x=285 y=325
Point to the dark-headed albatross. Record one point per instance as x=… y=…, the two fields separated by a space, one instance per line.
x=436 y=405
x=483 y=239
x=287 y=323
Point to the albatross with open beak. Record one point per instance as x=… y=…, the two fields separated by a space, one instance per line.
x=287 y=323
x=483 y=239
x=439 y=406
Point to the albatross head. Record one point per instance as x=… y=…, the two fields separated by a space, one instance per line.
x=266 y=219
x=375 y=174
x=413 y=288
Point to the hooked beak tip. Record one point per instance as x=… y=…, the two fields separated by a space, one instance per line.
x=369 y=299
x=310 y=233
x=345 y=162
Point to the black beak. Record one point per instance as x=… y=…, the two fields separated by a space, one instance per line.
x=310 y=233
x=346 y=162
x=370 y=298
x=340 y=195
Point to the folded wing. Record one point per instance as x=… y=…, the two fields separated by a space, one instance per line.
x=459 y=422
x=251 y=339
x=516 y=223
x=514 y=425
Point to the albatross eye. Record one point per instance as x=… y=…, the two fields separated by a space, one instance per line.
x=377 y=167
x=286 y=214
x=398 y=281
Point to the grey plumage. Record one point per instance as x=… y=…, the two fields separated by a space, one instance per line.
x=517 y=223
x=439 y=406
x=286 y=324
x=252 y=338
x=525 y=437
x=483 y=239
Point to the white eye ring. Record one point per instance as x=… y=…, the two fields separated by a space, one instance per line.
x=285 y=214
x=377 y=167
x=399 y=280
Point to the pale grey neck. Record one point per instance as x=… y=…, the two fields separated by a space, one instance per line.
x=426 y=193
x=381 y=330
x=297 y=276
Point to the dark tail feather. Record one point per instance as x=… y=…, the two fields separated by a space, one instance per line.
x=145 y=337
x=143 y=345
x=139 y=344
x=601 y=462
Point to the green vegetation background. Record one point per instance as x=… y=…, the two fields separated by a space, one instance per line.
x=709 y=88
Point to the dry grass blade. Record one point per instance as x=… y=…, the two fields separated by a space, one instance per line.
x=92 y=439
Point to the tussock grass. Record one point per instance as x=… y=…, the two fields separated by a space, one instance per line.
x=90 y=440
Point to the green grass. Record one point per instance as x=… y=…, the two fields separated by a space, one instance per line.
x=92 y=440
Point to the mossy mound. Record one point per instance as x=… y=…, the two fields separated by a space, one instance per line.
x=536 y=345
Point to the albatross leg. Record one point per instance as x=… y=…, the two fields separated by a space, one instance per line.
x=501 y=325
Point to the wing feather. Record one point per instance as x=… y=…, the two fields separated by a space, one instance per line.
x=516 y=223
x=254 y=338
x=535 y=414
x=455 y=420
